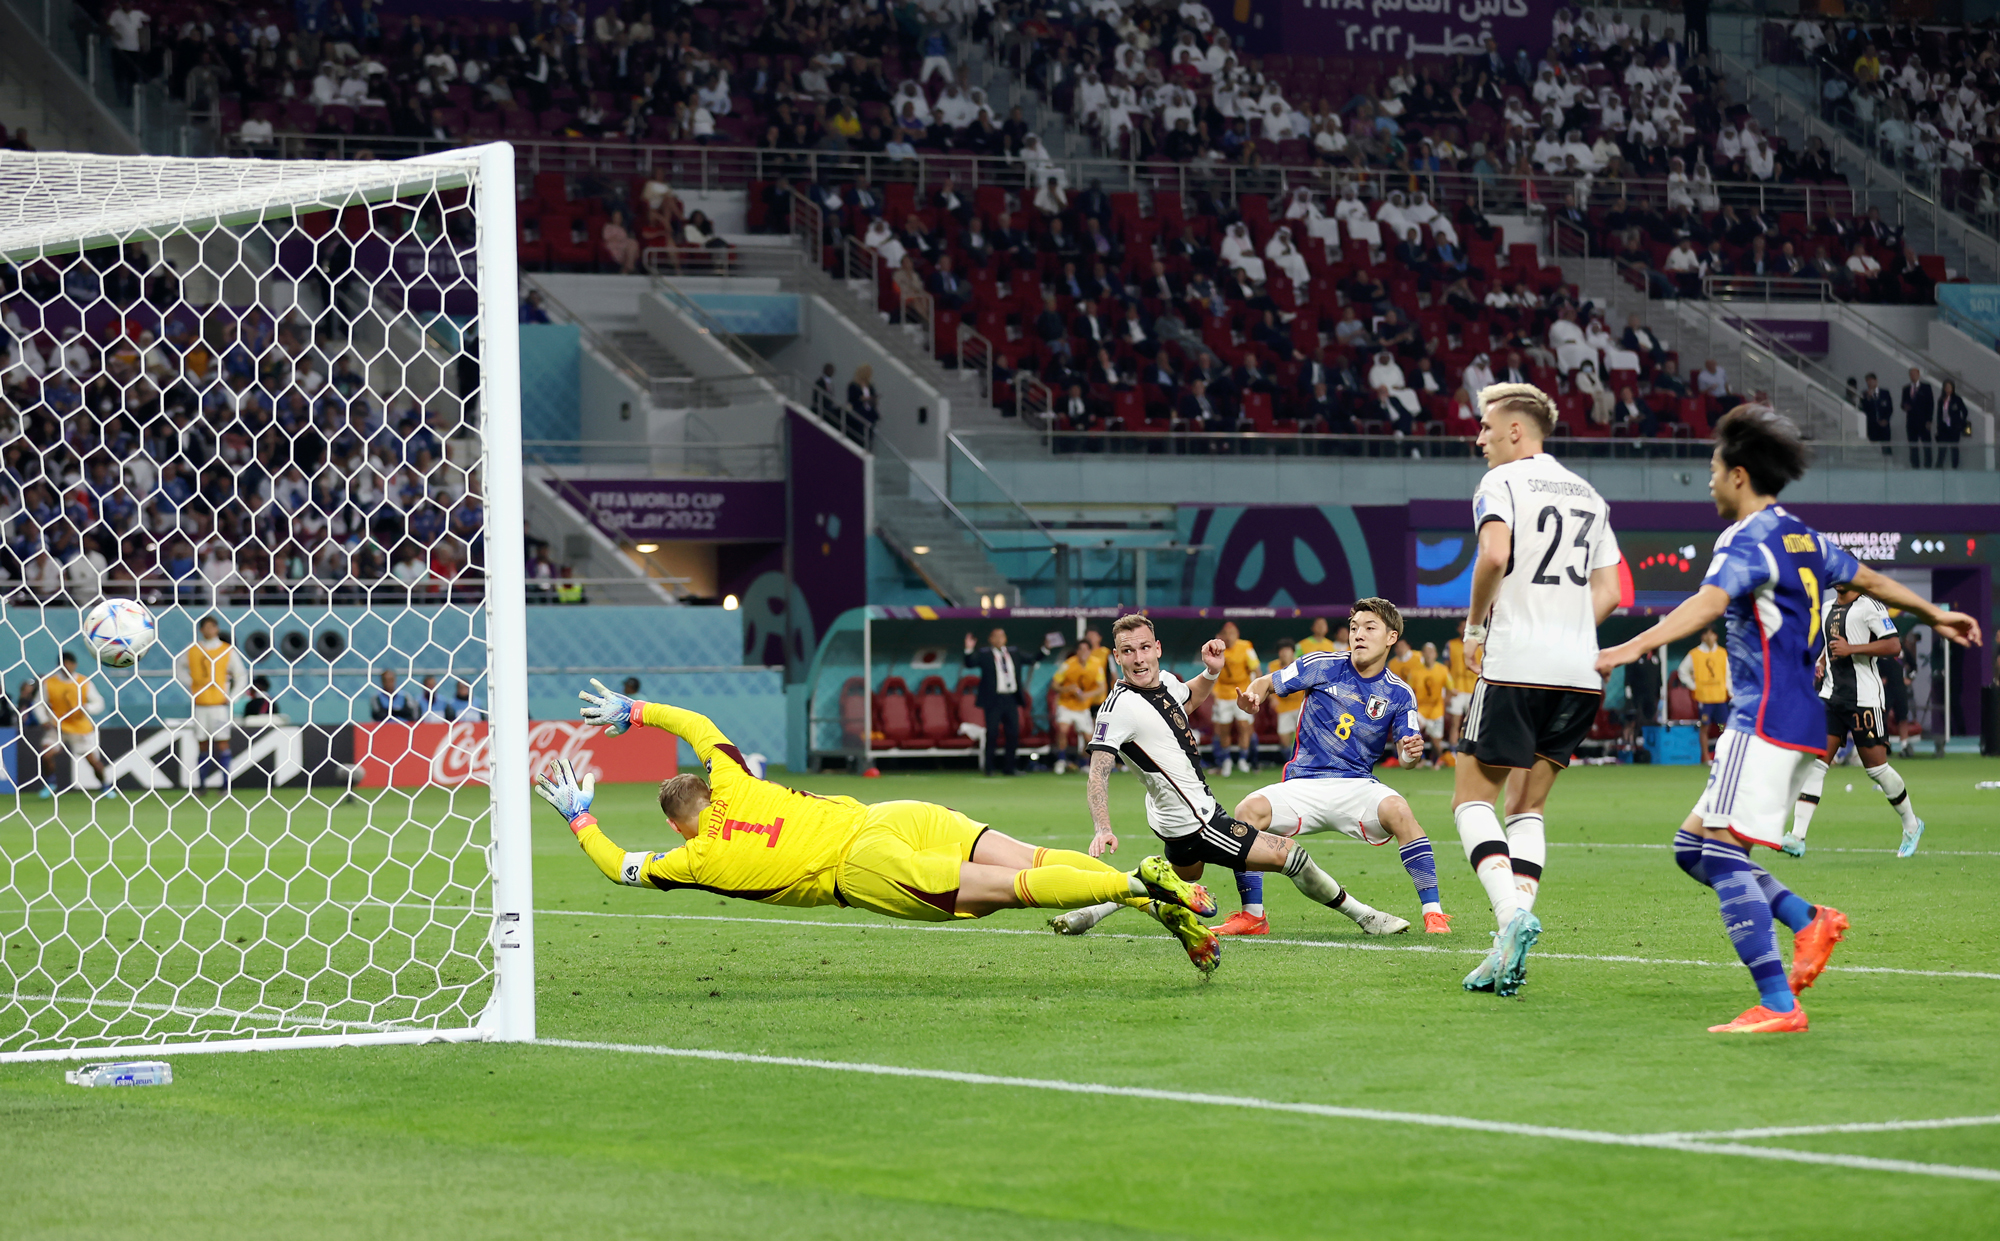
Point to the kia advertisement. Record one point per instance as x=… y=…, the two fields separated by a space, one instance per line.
x=405 y=756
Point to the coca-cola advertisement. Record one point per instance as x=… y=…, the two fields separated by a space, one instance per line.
x=399 y=755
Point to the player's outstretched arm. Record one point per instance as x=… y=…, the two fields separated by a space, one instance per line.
x=1102 y=840
x=1957 y=626
x=1696 y=613
x=571 y=797
x=615 y=713
x=1496 y=549
x=1252 y=696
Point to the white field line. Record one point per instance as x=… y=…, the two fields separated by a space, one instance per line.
x=892 y=925
x=1350 y=946
x=281 y=1019
x=1605 y=844
x=1866 y=1126
x=1673 y=1142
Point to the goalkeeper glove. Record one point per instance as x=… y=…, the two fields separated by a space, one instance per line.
x=560 y=788
x=608 y=708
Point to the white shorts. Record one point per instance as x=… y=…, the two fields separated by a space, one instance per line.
x=1226 y=710
x=80 y=745
x=1077 y=719
x=1752 y=787
x=1350 y=806
x=211 y=722
x=1432 y=728
x=1458 y=704
x=1288 y=723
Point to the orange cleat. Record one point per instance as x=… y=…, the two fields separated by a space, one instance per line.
x=1761 y=1020
x=1437 y=924
x=1242 y=923
x=1812 y=946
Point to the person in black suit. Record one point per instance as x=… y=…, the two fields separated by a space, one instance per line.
x=1314 y=373
x=1093 y=203
x=1049 y=327
x=1168 y=289
x=1198 y=410
x=1879 y=409
x=946 y=286
x=1009 y=240
x=1093 y=329
x=1629 y=415
x=1003 y=686
x=977 y=244
x=1954 y=421
x=1059 y=241
x=1513 y=372
x=1918 y=407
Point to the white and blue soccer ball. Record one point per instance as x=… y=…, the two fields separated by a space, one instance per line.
x=119 y=631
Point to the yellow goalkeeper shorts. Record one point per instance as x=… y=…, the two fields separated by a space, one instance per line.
x=904 y=861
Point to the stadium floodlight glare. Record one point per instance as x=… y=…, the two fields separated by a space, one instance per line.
x=285 y=394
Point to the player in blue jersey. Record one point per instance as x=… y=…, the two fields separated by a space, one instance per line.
x=1769 y=575
x=1354 y=709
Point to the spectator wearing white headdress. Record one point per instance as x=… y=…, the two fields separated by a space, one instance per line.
x=1387 y=380
x=882 y=240
x=1239 y=253
x=1394 y=215
x=1479 y=372
x=1039 y=164
x=1283 y=255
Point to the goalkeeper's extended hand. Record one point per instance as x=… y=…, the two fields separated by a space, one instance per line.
x=608 y=708
x=560 y=788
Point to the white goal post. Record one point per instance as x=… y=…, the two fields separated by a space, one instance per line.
x=283 y=397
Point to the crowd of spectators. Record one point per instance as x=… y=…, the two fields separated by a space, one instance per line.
x=1303 y=315
x=155 y=448
x=1927 y=99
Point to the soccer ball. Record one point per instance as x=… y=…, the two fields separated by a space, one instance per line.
x=119 y=631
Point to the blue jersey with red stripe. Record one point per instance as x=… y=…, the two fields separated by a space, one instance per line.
x=1347 y=719
x=1776 y=570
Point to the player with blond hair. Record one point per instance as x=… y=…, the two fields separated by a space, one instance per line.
x=749 y=838
x=1546 y=576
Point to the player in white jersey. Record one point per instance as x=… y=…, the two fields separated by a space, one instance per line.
x=1545 y=577
x=1858 y=632
x=1145 y=720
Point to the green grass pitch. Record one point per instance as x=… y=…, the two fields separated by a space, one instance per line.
x=486 y=1141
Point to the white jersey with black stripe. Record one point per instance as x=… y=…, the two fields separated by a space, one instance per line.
x=1854 y=679
x=1149 y=728
x=1543 y=628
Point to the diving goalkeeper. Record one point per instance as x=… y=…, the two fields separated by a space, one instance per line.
x=759 y=841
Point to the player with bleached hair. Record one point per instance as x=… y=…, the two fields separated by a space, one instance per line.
x=1545 y=578
x=758 y=841
x=1770 y=575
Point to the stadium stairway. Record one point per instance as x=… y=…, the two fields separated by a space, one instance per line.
x=918 y=524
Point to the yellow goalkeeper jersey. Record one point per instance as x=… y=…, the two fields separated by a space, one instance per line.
x=1463 y=679
x=1429 y=682
x=1079 y=683
x=1282 y=703
x=1239 y=668
x=759 y=841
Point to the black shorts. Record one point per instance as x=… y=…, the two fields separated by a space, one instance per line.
x=1222 y=841
x=1844 y=720
x=1513 y=725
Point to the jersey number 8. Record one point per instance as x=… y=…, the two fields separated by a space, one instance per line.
x=1346 y=727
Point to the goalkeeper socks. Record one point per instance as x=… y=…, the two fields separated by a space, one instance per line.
x=1250 y=890
x=1527 y=851
x=1422 y=866
x=1066 y=887
x=1896 y=791
x=1746 y=918
x=1486 y=848
x=1687 y=853
x=1083 y=861
x=1802 y=811
x=1787 y=906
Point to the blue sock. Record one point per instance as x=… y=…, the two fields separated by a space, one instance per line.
x=1422 y=865
x=1250 y=888
x=1746 y=916
x=1687 y=852
x=1793 y=910
x=222 y=766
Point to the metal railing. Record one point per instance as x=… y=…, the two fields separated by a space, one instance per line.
x=1006 y=500
x=83 y=46
x=760 y=370
x=628 y=458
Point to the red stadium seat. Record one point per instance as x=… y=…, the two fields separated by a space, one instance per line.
x=936 y=719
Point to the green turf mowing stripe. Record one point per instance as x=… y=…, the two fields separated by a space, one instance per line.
x=1673 y=1142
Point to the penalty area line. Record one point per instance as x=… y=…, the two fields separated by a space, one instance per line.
x=1866 y=1126
x=1431 y=949
x=1672 y=1142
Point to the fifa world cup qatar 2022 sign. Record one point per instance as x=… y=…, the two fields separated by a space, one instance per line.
x=1403 y=27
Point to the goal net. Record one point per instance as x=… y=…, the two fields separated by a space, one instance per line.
x=277 y=403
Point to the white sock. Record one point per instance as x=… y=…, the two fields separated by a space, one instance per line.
x=1809 y=792
x=1896 y=791
x=1528 y=852
x=1479 y=831
x=1255 y=911
x=1306 y=875
x=1433 y=907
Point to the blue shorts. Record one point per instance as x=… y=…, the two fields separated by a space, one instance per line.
x=1716 y=713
